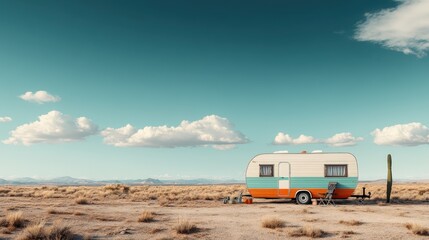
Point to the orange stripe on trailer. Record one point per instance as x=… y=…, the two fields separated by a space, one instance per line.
x=341 y=193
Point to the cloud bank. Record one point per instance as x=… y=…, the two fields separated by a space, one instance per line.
x=338 y=140
x=404 y=28
x=39 y=97
x=212 y=130
x=53 y=127
x=410 y=134
x=5 y=119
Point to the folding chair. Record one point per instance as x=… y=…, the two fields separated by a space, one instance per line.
x=326 y=198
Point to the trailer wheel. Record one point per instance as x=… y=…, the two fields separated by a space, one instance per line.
x=303 y=198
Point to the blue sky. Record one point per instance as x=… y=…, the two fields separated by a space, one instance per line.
x=249 y=77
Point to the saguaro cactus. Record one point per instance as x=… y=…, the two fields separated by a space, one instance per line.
x=389 y=178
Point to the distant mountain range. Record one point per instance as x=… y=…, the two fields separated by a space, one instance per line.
x=85 y=182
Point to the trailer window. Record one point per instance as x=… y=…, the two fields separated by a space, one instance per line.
x=336 y=171
x=266 y=170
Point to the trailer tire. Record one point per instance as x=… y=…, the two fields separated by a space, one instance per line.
x=303 y=198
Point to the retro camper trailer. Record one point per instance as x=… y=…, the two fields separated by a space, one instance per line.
x=301 y=176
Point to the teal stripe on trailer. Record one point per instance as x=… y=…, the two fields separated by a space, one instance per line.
x=264 y=182
x=301 y=182
x=322 y=182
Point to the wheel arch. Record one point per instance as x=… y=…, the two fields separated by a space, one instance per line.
x=303 y=190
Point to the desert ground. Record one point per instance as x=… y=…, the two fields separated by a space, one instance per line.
x=197 y=212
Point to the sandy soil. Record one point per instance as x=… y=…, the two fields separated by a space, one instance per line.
x=117 y=218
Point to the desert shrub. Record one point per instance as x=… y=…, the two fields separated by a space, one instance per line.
x=185 y=227
x=312 y=220
x=15 y=220
x=307 y=232
x=272 y=222
x=58 y=231
x=146 y=216
x=77 y=213
x=5 y=191
x=417 y=229
x=117 y=188
x=351 y=222
x=82 y=200
x=3 y=223
x=33 y=232
x=40 y=232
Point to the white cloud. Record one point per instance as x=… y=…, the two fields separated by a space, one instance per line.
x=343 y=139
x=212 y=130
x=338 y=140
x=39 y=97
x=53 y=127
x=5 y=119
x=410 y=134
x=404 y=28
x=286 y=139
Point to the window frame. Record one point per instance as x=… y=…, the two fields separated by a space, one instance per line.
x=266 y=165
x=336 y=165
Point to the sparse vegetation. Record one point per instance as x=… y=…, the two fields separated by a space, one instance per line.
x=82 y=200
x=312 y=220
x=183 y=194
x=40 y=232
x=307 y=232
x=156 y=230
x=14 y=220
x=33 y=232
x=417 y=229
x=50 y=202
x=351 y=222
x=146 y=216
x=185 y=227
x=272 y=222
x=56 y=211
x=346 y=234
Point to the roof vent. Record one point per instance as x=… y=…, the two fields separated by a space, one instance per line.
x=282 y=151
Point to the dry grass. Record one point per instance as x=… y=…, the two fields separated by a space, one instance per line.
x=56 y=211
x=14 y=220
x=312 y=220
x=40 y=232
x=185 y=227
x=106 y=219
x=81 y=200
x=351 y=222
x=272 y=222
x=156 y=230
x=166 y=195
x=417 y=229
x=307 y=232
x=33 y=232
x=146 y=216
x=346 y=234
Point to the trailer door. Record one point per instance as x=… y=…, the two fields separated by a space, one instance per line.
x=284 y=179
